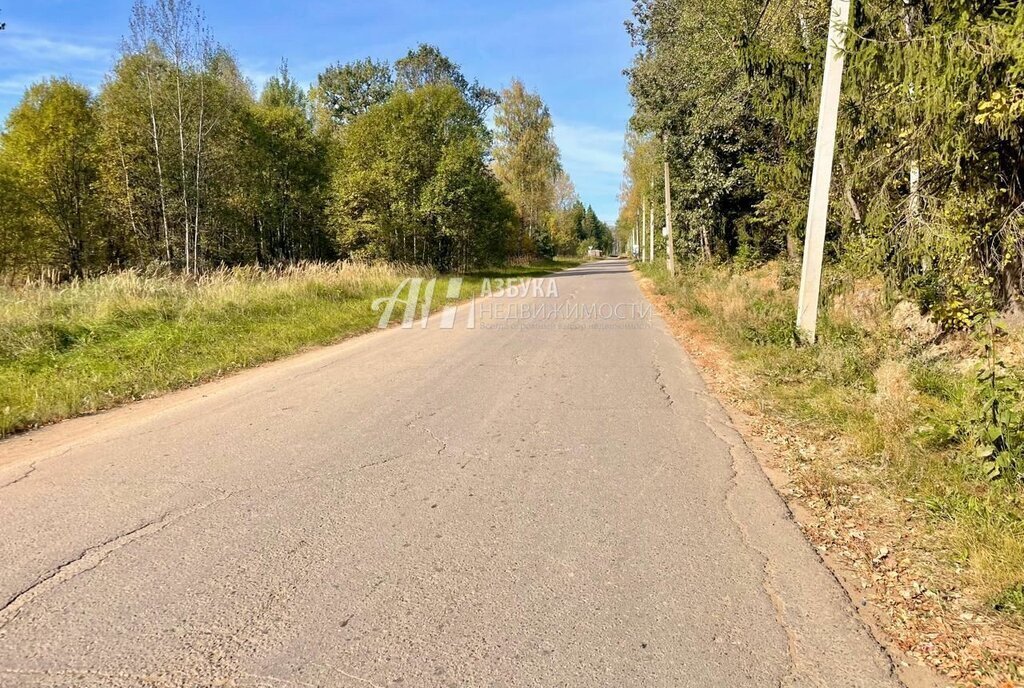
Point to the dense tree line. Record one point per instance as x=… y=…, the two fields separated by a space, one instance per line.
x=552 y=219
x=176 y=162
x=929 y=179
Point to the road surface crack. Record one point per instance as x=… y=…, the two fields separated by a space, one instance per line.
x=371 y=464
x=801 y=670
x=276 y=680
x=362 y=602
x=768 y=573
x=92 y=557
x=352 y=676
x=659 y=373
x=30 y=471
x=441 y=444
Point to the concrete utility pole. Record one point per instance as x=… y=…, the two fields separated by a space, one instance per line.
x=670 y=247
x=821 y=177
x=643 y=231
x=650 y=227
x=914 y=205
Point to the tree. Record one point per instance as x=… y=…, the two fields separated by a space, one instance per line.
x=281 y=90
x=172 y=114
x=427 y=65
x=526 y=159
x=929 y=189
x=347 y=91
x=689 y=82
x=640 y=198
x=162 y=87
x=411 y=183
x=562 y=228
x=50 y=156
x=286 y=165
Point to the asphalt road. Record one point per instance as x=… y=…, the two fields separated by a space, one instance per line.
x=547 y=498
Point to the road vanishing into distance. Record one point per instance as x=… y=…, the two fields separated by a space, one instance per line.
x=542 y=495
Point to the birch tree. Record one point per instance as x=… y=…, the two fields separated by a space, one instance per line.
x=526 y=159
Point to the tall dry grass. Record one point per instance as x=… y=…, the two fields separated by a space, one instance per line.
x=90 y=344
x=30 y=311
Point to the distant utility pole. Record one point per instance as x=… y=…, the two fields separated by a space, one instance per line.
x=643 y=230
x=670 y=248
x=821 y=177
x=650 y=225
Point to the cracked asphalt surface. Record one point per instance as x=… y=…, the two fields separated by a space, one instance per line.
x=537 y=500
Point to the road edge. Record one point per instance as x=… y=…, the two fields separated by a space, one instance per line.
x=46 y=442
x=909 y=670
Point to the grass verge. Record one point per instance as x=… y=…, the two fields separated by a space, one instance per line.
x=91 y=345
x=866 y=424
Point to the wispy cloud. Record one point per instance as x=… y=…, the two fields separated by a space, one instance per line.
x=28 y=56
x=585 y=145
x=28 y=47
x=592 y=156
x=15 y=84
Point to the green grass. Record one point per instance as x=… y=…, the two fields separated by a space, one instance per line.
x=94 y=344
x=900 y=411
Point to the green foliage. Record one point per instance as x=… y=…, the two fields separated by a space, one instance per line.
x=284 y=177
x=172 y=113
x=928 y=188
x=411 y=183
x=550 y=216
x=999 y=429
x=177 y=164
x=953 y=116
x=642 y=189
x=688 y=83
x=347 y=91
x=50 y=166
x=526 y=161
x=1011 y=601
x=427 y=66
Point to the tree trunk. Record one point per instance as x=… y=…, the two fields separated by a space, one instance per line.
x=181 y=148
x=199 y=153
x=159 y=167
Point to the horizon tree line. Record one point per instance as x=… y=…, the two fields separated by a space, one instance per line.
x=176 y=162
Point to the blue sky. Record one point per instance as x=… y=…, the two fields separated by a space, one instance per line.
x=571 y=52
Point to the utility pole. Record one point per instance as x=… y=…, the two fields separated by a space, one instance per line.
x=821 y=177
x=643 y=230
x=668 y=210
x=650 y=225
x=914 y=206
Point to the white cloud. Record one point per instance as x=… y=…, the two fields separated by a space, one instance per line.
x=587 y=146
x=592 y=156
x=28 y=56
x=15 y=84
x=45 y=49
